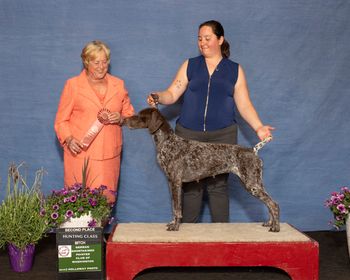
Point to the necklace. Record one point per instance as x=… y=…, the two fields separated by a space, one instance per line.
x=99 y=88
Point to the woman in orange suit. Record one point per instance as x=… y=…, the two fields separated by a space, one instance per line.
x=91 y=96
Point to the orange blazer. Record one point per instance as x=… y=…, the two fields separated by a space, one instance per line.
x=78 y=109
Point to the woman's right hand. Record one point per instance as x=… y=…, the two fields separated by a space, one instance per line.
x=264 y=132
x=74 y=145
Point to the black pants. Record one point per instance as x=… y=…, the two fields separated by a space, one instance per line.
x=216 y=187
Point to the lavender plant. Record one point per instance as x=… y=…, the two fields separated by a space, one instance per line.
x=20 y=221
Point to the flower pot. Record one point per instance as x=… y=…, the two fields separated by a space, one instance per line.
x=82 y=221
x=21 y=259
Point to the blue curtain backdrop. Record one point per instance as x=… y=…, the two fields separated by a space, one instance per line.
x=296 y=56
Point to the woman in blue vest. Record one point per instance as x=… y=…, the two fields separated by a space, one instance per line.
x=211 y=85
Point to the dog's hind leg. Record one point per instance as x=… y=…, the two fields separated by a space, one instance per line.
x=176 y=194
x=257 y=190
x=252 y=180
x=274 y=210
x=272 y=206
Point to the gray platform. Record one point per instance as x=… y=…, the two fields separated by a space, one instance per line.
x=206 y=232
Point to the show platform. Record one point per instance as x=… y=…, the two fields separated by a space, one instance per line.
x=134 y=247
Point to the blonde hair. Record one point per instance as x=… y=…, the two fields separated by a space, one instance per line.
x=91 y=49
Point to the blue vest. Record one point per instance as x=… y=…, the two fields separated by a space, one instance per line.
x=208 y=101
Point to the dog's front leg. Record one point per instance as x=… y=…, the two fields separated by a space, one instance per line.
x=176 y=191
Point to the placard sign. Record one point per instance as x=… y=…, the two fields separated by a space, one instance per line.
x=80 y=253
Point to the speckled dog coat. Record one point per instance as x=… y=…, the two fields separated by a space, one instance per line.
x=187 y=160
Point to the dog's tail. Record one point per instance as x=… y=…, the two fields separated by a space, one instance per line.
x=261 y=144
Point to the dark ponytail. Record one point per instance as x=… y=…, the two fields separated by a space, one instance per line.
x=218 y=30
x=225 y=49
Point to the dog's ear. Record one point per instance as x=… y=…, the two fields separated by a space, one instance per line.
x=155 y=122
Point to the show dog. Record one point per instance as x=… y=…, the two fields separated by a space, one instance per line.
x=187 y=160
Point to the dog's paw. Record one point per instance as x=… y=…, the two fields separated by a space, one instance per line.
x=274 y=227
x=173 y=226
x=267 y=224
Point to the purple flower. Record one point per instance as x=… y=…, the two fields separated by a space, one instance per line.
x=69 y=213
x=335 y=200
x=73 y=198
x=92 y=202
x=342 y=208
x=42 y=212
x=77 y=186
x=55 y=207
x=103 y=187
x=338 y=218
x=66 y=199
x=92 y=223
x=54 y=215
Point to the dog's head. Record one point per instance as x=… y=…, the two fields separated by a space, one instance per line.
x=149 y=118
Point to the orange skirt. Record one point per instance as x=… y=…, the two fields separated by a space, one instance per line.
x=101 y=172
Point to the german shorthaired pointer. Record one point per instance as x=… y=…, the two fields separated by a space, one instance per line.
x=188 y=160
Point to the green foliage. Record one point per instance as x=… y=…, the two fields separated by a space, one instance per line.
x=20 y=220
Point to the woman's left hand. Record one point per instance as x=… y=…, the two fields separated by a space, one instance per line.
x=264 y=131
x=115 y=118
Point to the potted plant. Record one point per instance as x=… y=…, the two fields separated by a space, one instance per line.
x=21 y=225
x=78 y=205
x=339 y=204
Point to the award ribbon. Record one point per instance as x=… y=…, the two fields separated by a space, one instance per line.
x=96 y=127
